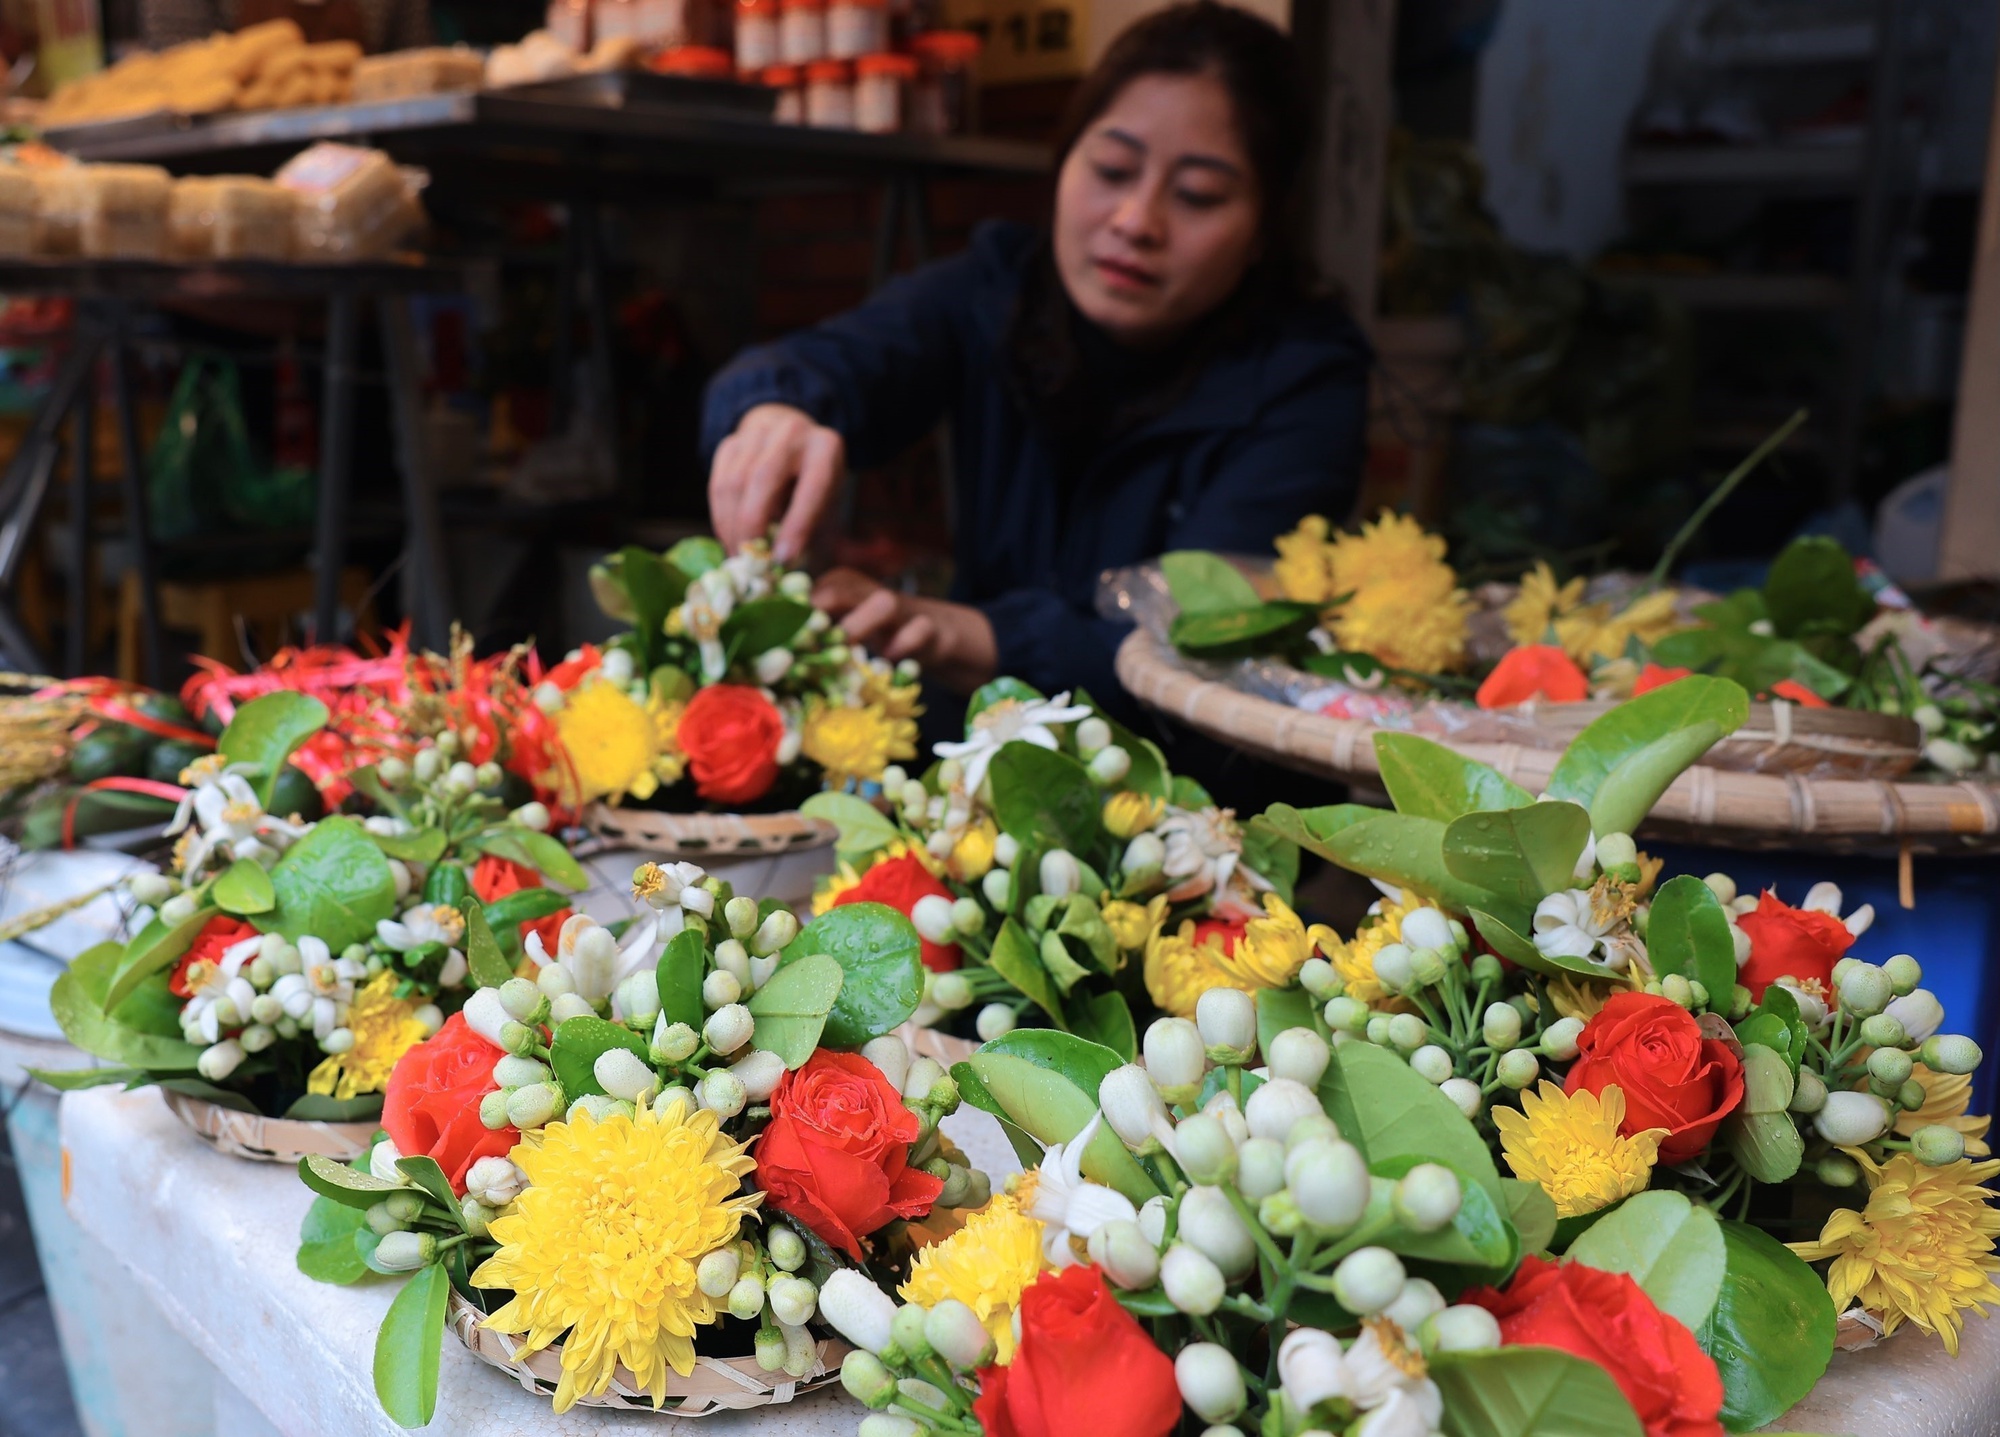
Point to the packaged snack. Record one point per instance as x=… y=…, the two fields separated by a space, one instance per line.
x=408 y=73
x=230 y=217
x=59 y=211
x=17 y=212
x=351 y=203
x=124 y=211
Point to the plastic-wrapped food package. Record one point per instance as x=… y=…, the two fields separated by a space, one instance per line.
x=58 y=224
x=124 y=211
x=405 y=74
x=17 y=212
x=352 y=203
x=230 y=217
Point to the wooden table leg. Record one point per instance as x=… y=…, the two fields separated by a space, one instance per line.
x=137 y=520
x=336 y=460
x=427 y=577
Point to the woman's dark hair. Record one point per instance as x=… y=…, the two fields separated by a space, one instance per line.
x=1259 y=67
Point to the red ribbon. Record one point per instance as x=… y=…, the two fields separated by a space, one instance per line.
x=171 y=792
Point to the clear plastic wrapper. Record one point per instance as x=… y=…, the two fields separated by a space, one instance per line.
x=124 y=211
x=405 y=74
x=58 y=221
x=351 y=203
x=17 y=212
x=230 y=217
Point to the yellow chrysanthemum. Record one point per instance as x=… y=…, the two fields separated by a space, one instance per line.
x=1128 y=814
x=1575 y=996
x=669 y=762
x=1267 y=954
x=1540 y=602
x=385 y=1027
x=611 y=740
x=1304 y=569
x=1946 y=1097
x=855 y=742
x=1353 y=959
x=972 y=856
x=879 y=689
x=1131 y=925
x=987 y=1265
x=1569 y=1143
x=1390 y=550
x=1921 y=1251
x=1587 y=632
x=1417 y=622
x=604 y=1242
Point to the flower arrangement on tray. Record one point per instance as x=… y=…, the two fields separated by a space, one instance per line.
x=1296 y=1214
x=1058 y=870
x=730 y=692
x=288 y=963
x=655 y=1151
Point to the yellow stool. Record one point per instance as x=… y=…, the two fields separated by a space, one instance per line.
x=266 y=604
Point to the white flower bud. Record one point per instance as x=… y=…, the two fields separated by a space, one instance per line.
x=256 y=1038
x=1145 y=855
x=1722 y=886
x=995 y=1021
x=149 y=889
x=1951 y=1053
x=430 y=1017
x=787 y=1248
x=664 y=1100
x=267 y=1008
x=1460 y=1328
x=1866 y=991
x=673 y=1042
x=740 y=916
x=219 y=1061
x=616 y=666
x=1329 y=1183
x=624 y=1075
x=1153 y=1220
x=1414 y=1305
x=1368 y=1280
x=1193 y=1284
x=746 y=1299
x=1300 y=1055
x=775 y=933
x=1005 y=849
x=340 y=1040
x=760 y=1073
x=1313 y=1369
x=534 y=1105
x=718 y=1270
x=1210 y=1381
x=637 y=998
x=406 y=1251
x=554 y=981
x=532 y=815
x=793 y=1300
x=998 y=886
x=932 y=916
x=1920 y=1013
x=729 y=1028
x=570 y=1005
x=1394 y=967
x=1093 y=736
x=1559 y=1038
x=956 y=1334
x=1276 y=1106
x=924 y=1074
x=1203 y=1149
x=1518 y=1068
x=1426 y=928
x=771 y=666
x=1260 y=1168
x=967 y=917
x=1132 y=1105
x=1465 y=1094
x=1175 y=1055
x=719 y=989
x=857 y=1309
x=698 y=901
x=1850 y=1119
x=952 y=991
x=1128 y=1258
x=495 y=1182
x=177 y=910
x=1061 y=875
x=462 y=777
x=1110 y=765
x=1501 y=1027
x=891 y=1055
x=1227 y=1018
x=722 y=1093
x=1431 y=1063
x=1427 y=1199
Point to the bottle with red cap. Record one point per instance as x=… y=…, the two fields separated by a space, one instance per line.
x=830 y=95
x=789 y=82
x=943 y=99
x=856 y=27
x=801 y=31
x=756 y=35
x=882 y=83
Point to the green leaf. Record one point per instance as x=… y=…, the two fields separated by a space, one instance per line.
x=1670 y=1247
x=578 y=1043
x=340 y=1183
x=1618 y=767
x=319 y=1108
x=407 y=1348
x=1044 y=799
x=425 y=1173
x=1149 y=773
x=864 y=828
x=84 y=1023
x=1204 y=583
x=76 y=1080
x=524 y=905
x=1000 y=690
x=1480 y=1236
x=1428 y=780
x=1532 y=1211
x=534 y=850
x=1530 y=1392
x=1520 y=855
x=1384 y=1108
x=1312 y=829
x=244 y=888
x=425 y=845
x=1812 y=586
x=1688 y=933
x=156 y=949
x=326 y=1243
x=654 y=587
x=881 y=955
x=1273 y=858
x=1401 y=849
x=1105 y=1019
x=208 y=1093
x=268 y=730
x=696 y=555
x=762 y=624
x=1241 y=633
x=1279 y=1009
x=1030 y=1090
x=333 y=884
x=1771 y=1333
x=1189 y=795
x=1513 y=945
x=482 y=954
x=1015 y=958
x=682 y=968
x=791 y=1007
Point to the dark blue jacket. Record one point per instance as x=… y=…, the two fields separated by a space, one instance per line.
x=1267 y=433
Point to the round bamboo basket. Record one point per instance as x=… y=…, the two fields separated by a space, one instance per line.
x=717 y=1384
x=269 y=1140
x=695 y=836
x=1778 y=737
x=1705 y=804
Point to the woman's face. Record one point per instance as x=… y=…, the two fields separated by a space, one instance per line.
x=1157 y=209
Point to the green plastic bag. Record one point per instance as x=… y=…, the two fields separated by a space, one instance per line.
x=204 y=476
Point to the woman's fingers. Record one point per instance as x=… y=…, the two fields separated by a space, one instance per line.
x=725 y=478
x=820 y=461
x=839 y=590
x=874 y=618
x=914 y=640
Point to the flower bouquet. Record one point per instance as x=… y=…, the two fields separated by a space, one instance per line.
x=1054 y=866
x=730 y=693
x=288 y=964
x=1294 y=1218
x=651 y=1156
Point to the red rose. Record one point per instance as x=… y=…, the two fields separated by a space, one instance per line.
x=217 y=936
x=730 y=733
x=1788 y=942
x=836 y=1155
x=494 y=878
x=1671 y=1075
x=1606 y=1318
x=1656 y=676
x=1533 y=671
x=431 y=1107
x=1084 y=1365
x=900 y=882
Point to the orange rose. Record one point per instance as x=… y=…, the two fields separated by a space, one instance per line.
x=494 y=878
x=1656 y=676
x=217 y=937
x=1788 y=942
x=730 y=734
x=900 y=882
x=1534 y=671
x=1673 y=1076
x=431 y=1106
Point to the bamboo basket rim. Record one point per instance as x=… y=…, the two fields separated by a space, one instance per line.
x=269 y=1140
x=1711 y=805
x=708 y=835
x=717 y=1384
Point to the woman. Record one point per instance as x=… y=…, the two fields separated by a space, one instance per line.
x=1147 y=376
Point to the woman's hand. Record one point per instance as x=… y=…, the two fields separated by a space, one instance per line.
x=953 y=642
x=777 y=454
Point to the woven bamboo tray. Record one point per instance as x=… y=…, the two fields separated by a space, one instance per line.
x=269 y=1140
x=1705 y=805
x=1778 y=737
x=717 y=1384
x=707 y=835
